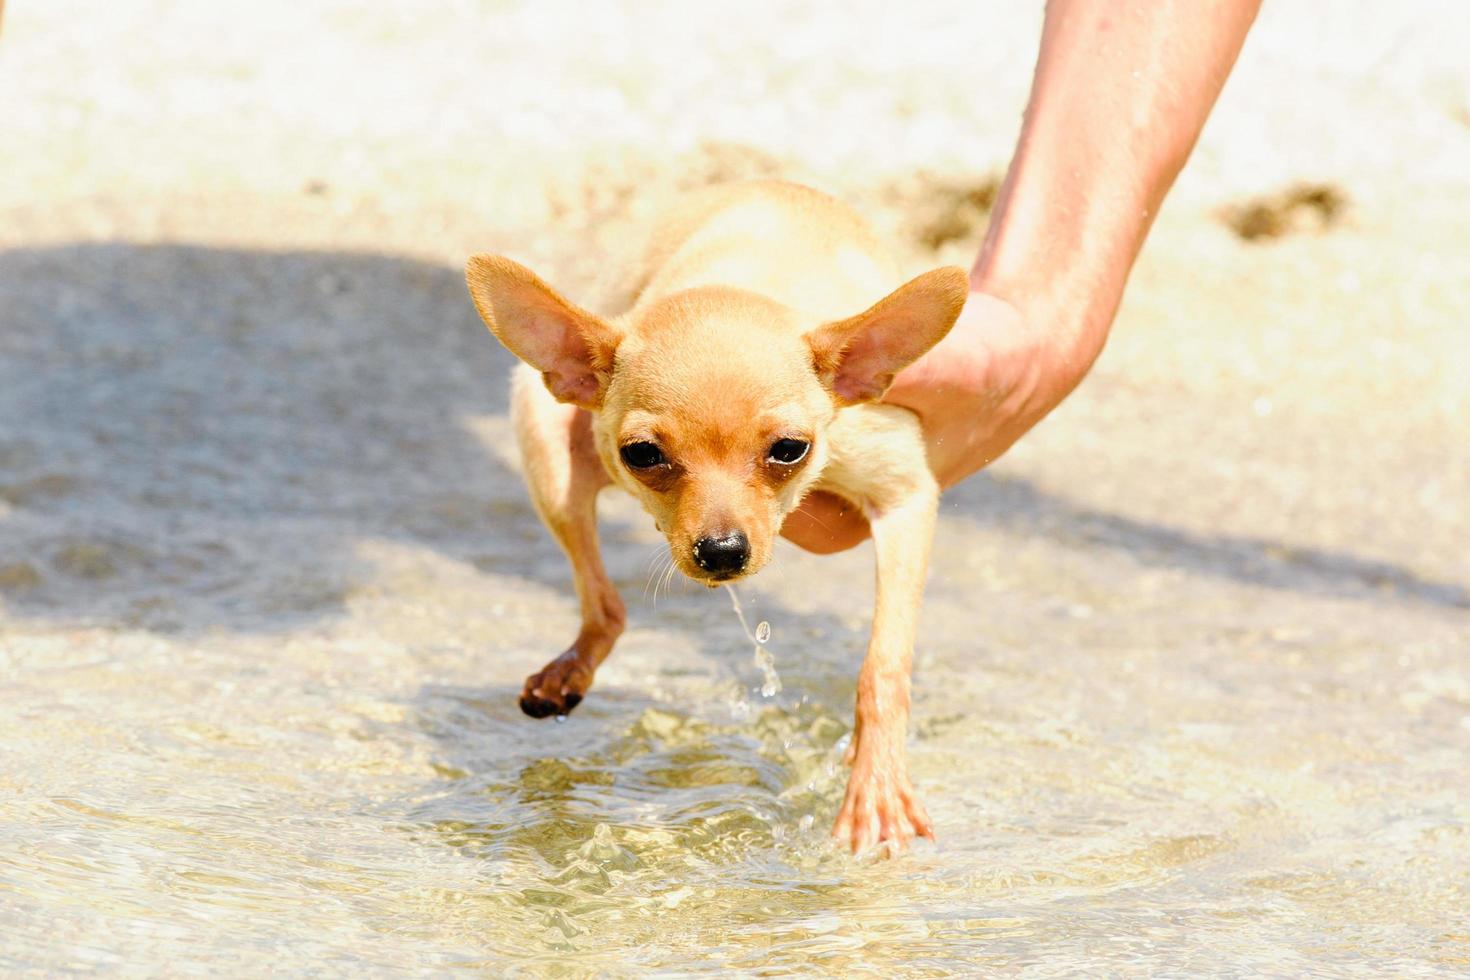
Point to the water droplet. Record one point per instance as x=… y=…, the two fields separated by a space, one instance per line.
x=771 y=684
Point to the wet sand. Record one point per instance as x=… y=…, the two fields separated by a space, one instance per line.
x=1193 y=688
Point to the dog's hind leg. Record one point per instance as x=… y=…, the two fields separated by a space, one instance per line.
x=564 y=475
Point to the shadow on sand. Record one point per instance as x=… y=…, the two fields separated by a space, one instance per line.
x=195 y=438
x=1019 y=507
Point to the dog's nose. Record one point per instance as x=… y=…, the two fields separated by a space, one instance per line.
x=723 y=554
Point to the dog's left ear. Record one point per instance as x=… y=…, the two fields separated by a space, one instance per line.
x=573 y=349
x=857 y=358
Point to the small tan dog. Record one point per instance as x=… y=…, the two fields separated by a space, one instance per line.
x=742 y=377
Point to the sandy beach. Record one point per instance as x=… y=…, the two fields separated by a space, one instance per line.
x=1193 y=686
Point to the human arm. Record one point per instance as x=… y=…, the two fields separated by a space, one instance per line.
x=1118 y=99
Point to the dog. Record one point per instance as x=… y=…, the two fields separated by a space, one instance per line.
x=767 y=324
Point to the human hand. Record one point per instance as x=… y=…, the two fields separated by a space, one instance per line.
x=1101 y=143
x=991 y=378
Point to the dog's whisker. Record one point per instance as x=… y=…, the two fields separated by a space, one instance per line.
x=655 y=552
x=651 y=563
x=658 y=581
x=654 y=572
x=655 y=576
x=655 y=568
x=820 y=523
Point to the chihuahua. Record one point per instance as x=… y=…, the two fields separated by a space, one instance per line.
x=768 y=321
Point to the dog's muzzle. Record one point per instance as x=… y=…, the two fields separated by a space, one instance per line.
x=725 y=555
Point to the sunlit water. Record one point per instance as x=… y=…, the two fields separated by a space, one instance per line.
x=262 y=635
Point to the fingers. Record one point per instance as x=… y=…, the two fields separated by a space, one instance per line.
x=824 y=524
x=983 y=386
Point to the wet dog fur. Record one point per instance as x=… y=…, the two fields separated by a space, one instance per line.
x=768 y=321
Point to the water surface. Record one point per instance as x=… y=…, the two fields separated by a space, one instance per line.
x=263 y=632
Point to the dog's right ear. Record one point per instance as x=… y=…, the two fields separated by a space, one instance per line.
x=573 y=349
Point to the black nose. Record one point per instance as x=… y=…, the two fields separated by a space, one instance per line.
x=723 y=554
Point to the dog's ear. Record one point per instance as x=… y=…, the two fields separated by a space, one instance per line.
x=573 y=349
x=857 y=358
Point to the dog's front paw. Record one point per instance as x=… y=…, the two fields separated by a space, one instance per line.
x=557 y=688
x=881 y=805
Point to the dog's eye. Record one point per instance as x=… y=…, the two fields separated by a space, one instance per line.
x=789 y=450
x=642 y=455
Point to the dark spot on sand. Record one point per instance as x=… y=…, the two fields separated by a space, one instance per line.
x=38 y=490
x=86 y=559
x=19 y=577
x=1305 y=208
x=939 y=210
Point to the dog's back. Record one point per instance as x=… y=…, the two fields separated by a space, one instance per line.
x=816 y=254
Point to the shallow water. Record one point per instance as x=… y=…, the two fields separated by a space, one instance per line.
x=1258 y=804
x=257 y=713
x=262 y=639
x=1193 y=682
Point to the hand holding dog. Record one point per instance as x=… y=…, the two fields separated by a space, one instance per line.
x=1118 y=99
x=989 y=381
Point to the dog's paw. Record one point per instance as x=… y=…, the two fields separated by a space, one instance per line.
x=557 y=688
x=881 y=806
